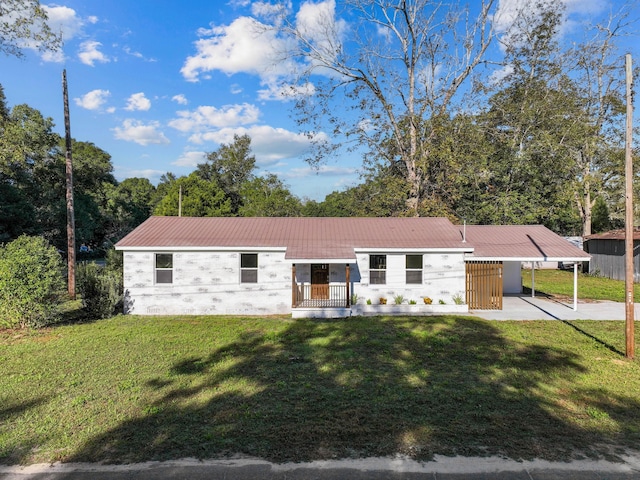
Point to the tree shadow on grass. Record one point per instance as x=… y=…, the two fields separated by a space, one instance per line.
x=9 y=411
x=335 y=389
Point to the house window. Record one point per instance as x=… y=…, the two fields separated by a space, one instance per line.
x=164 y=267
x=414 y=269
x=248 y=268
x=377 y=269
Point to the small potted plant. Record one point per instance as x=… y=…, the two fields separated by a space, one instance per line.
x=383 y=301
x=427 y=301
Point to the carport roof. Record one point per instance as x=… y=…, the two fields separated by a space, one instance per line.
x=523 y=243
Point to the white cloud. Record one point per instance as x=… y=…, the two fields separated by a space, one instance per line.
x=324 y=170
x=205 y=117
x=269 y=144
x=89 y=53
x=138 y=101
x=190 y=159
x=138 y=132
x=122 y=173
x=136 y=54
x=318 y=23
x=508 y=11
x=267 y=10
x=93 y=100
x=499 y=75
x=180 y=99
x=62 y=20
x=133 y=53
x=286 y=92
x=65 y=20
x=245 y=45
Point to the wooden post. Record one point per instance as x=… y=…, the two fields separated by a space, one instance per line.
x=348 y=277
x=294 y=298
x=71 y=222
x=629 y=303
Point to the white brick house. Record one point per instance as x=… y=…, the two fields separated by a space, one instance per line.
x=319 y=267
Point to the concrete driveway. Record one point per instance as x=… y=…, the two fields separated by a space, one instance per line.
x=521 y=307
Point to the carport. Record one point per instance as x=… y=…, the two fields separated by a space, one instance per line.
x=507 y=246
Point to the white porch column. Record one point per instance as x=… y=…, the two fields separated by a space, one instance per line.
x=575 y=286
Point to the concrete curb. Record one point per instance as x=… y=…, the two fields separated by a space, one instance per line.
x=370 y=468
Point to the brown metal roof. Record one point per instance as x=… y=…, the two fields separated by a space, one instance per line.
x=336 y=238
x=619 y=234
x=524 y=242
x=303 y=237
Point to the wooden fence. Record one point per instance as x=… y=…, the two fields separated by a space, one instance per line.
x=484 y=285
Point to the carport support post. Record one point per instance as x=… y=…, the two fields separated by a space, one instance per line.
x=575 y=286
x=533 y=279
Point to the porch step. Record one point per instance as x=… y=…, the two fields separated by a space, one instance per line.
x=328 y=312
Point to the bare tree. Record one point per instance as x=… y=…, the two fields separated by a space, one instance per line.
x=599 y=71
x=395 y=66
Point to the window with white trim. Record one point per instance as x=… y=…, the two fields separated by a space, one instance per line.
x=377 y=269
x=414 y=269
x=164 y=267
x=248 y=268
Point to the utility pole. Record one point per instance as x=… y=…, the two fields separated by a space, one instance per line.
x=629 y=305
x=71 y=222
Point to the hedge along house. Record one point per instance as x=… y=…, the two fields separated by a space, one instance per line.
x=314 y=267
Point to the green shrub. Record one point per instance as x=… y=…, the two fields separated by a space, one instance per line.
x=31 y=283
x=100 y=289
x=458 y=299
x=114 y=261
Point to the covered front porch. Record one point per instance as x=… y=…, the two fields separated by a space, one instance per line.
x=321 y=285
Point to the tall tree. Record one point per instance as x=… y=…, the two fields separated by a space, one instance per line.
x=200 y=198
x=230 y=167
x=533 y=123
x=268 y=197
x=92 y=180
x=597 y=65
x=397 y=64
x=23 y=23
x=128 y=205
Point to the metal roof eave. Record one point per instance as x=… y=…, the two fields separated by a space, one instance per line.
x=527 y=259
x=201 y=248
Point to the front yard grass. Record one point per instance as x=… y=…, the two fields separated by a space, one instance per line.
x=131 y=389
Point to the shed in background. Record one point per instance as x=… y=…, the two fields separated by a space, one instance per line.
x=607 y=254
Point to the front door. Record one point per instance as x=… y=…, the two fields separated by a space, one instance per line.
x=320 y=281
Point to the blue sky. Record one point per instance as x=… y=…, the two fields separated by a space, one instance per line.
x=156 y=83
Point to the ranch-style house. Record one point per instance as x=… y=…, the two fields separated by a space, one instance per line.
x=328 y=267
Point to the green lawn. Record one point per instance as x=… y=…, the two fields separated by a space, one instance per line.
x=132 y=389
x=560 y=283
